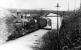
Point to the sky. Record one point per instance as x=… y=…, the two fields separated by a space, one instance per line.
x=40 y=4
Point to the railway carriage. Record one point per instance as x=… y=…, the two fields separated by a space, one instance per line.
x=26 y=25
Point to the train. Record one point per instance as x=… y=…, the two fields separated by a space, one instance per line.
x=24 y=26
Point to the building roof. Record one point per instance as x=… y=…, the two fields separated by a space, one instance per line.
x=52 y=14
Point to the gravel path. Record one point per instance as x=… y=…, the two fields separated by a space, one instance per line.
x=25 y=42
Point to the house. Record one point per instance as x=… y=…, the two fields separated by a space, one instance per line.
x=53 y=21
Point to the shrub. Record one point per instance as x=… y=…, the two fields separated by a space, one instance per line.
x=69 y=37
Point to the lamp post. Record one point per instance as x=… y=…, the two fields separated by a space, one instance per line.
x=57 y=18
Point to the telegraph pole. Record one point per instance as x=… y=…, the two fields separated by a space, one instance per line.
x=57 y=18
x=68 y=5
x=80 y=4
x=75 y=6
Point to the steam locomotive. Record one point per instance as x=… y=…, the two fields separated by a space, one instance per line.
x=26 y=25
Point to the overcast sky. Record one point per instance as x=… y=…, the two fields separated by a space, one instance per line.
x=38 y=4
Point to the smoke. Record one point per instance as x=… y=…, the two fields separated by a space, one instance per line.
x=3 y=27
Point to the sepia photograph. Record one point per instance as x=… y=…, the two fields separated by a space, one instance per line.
x=40 y=24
